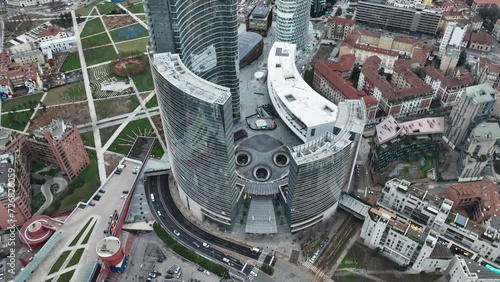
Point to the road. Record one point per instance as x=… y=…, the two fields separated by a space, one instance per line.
x=170 y=218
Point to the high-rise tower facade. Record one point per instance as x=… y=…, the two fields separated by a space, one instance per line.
x=293 y=22
x=204 y=33
x=198 y=124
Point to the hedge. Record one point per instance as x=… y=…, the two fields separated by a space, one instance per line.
x=190 y=255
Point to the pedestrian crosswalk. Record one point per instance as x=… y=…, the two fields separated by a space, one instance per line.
x=318 y=272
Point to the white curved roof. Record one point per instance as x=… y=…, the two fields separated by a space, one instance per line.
x=299 y=98
x=108 y=246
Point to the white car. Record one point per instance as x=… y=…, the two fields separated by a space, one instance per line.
x=206 y=272
x=206 y=245
x=225 y=260
x=159 y=213
x=177 y=233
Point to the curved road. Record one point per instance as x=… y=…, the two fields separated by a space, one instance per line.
x=170 y=218
x=48 y=194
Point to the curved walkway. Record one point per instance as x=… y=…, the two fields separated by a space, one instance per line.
x=48 y=194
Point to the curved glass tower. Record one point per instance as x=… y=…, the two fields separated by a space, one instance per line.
x=198 y=124
x=204 y=33
x=292 y=22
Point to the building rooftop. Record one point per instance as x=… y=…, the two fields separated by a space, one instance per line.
x=482 y=272
x=247 y=42
x=260 y=11
x=465 y=78
x=389 y=128
x=173 y=69
x=481 y=93
x=487 y=2
x=376 y=50
x=27 y=54
x=57 y=127
x=481 y=38
x=309 y=107
x=485 y=190
x=108 y=246
x=486 y=131
x=341 y=20
x=50 y=31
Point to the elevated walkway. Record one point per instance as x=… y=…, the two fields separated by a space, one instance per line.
x=354 y=206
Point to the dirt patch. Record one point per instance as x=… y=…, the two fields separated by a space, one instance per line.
x=322 y=54
x=143 y=96
x=113 y=22
x=157 y=122
x=74 y=114
x=107 y=132
x=111 y=161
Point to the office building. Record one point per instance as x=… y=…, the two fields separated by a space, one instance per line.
x=448 y=88
x=198 y=126
x=292 y=22
x=479 y=199
x=453 y=36
x=380 y=14
x=204 y=34
x=399 y=140
x=478 y=151
x=58 y=143
x=260 y=19
x=331 y=134
x=475 y=106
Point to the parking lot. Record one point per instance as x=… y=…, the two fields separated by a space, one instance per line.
x=189 y=270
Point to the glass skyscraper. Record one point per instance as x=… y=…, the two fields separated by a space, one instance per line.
x=204 y=33
x=198 y=123
x=292 y=22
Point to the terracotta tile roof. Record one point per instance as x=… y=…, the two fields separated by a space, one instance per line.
x=341 y=20
x=467 y=36
x=476 y=19
x=419 y=56
x=481 y=38
x=50 y=31
x=4 y=82
x=376 y=50
x=486 y=191
x=465 y=79
x=370 y=101
x=452 y=14
x=345 y=64
x=370 y=71
x=486 y=2
x=336 y=80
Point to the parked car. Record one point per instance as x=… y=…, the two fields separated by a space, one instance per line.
x=91 y=204
x=102 y=191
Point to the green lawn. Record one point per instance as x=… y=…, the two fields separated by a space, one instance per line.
x=131 y=129
x=106 y=7
x=37 y=201
x=88 y=138
x=153 y=102
x=106 y=108
x=36 y=166
x=92 y=27
x=65 y=94
x=133 y=45
x=137 y=9
x=85 y=10
x=96 y=40
x=157 y=151
x=59 y=262
x=81 y=189
x=51 y=172
x=75 y=259
x=72 y=62
x=17 y=121
x=77 y=238
x=66 y=276
x=24 y=102
x=87 y=237
x=115 y=33
x=144 y=80
x=100 y=55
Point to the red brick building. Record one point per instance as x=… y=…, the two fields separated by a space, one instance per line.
x=478 y=199
x=448 y=89
x=57 y=143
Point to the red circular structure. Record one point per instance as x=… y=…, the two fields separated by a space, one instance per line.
x=38 y=230
x=110 y=251
x=129 y=67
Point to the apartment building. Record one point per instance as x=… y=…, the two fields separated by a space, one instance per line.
x=453 y=36
x=412 y=227
x=478 y=152
x=51 y=33
x=29 y=57
x=464 y=269
x=478 y=5
x=339 y=28
x=480 y=41
x=381 y=14
x=489 y=72
x=399 y=140
x=406 y=94
x=496 y=30
x=475 y=106
x=448 y=89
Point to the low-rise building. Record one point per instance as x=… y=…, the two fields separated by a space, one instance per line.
x=478 y=152
x=448 y=89
x=67 y=44
x=51 y=33
x=496 y=30
x=29 y=57
x=260 y=19
x=480 y=41
x=480 y=199
x=489 y=72
x=478 y=5
x=405 y=95
x=28 y=3
x=399 y=140
x=339 y=28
